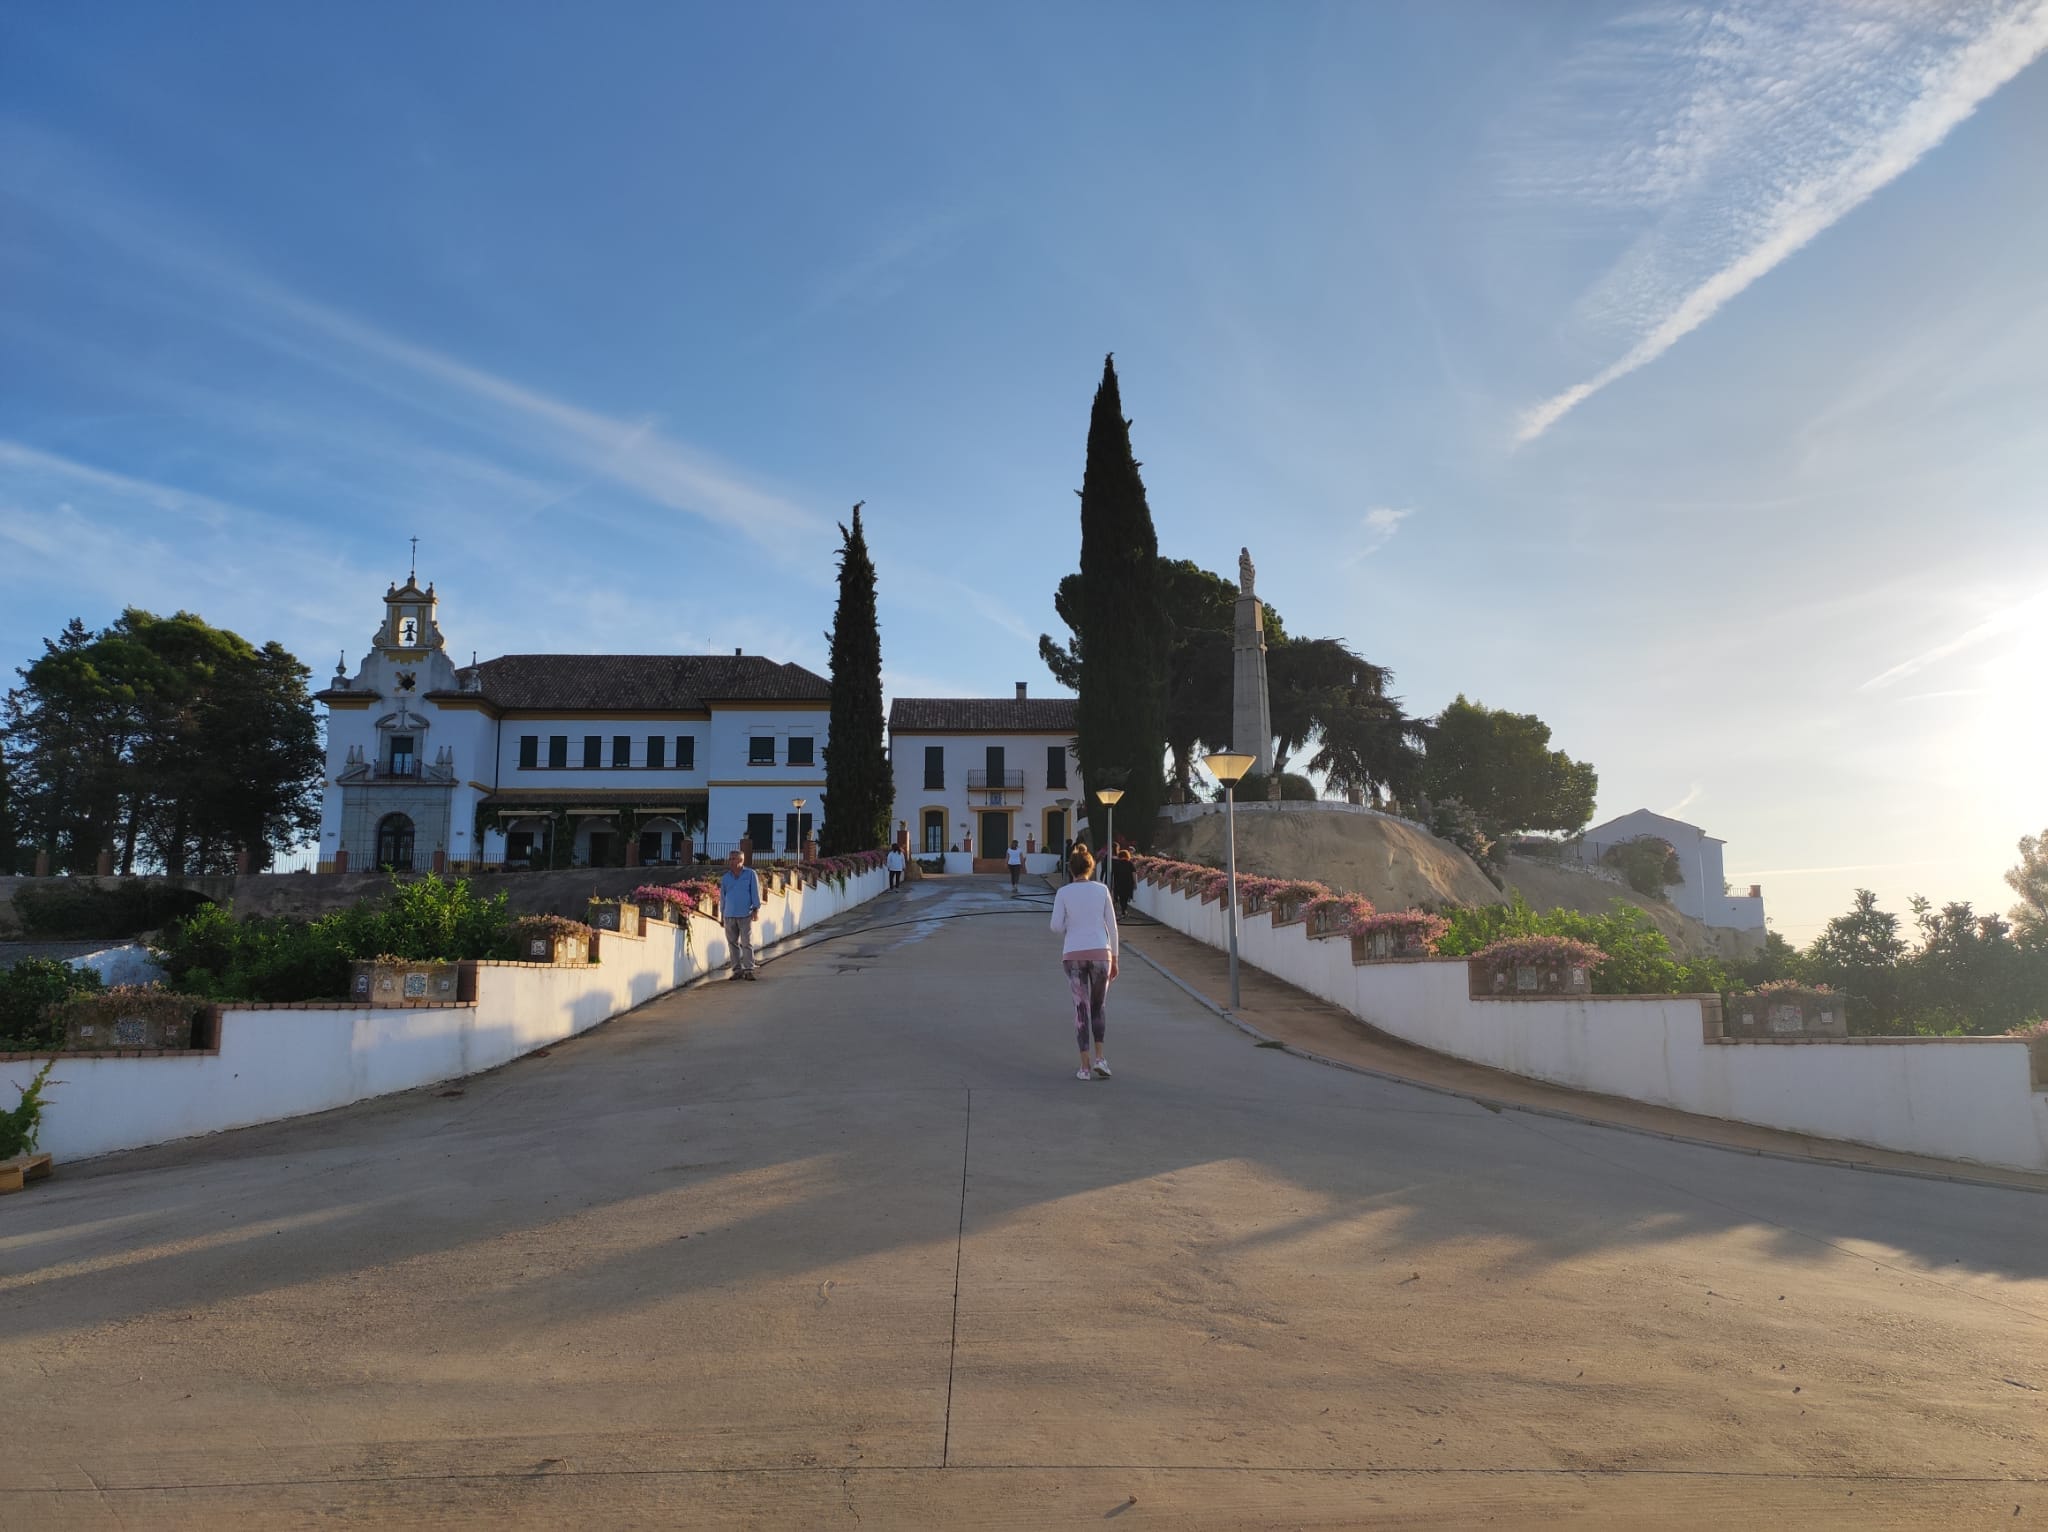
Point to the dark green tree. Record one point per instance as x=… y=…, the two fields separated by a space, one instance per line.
x=858 y=793
x=10 y=840
x=165 y=738
x=2030 y=881
x=1501 y=766
x=1120 y=625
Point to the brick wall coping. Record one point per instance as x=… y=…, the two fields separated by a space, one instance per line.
x=65 y=1054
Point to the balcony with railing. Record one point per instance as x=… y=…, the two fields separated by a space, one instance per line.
x=995 y=788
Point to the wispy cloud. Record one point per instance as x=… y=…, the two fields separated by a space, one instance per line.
x=2019 y=616
x=1691 y=797
x=1378 y=527
x=72 y=191
x=1749 y=129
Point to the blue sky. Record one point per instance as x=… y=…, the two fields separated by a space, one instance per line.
x=1674 y=373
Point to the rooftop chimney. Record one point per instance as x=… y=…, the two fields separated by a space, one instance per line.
x=735 y=651
x=1020 y=691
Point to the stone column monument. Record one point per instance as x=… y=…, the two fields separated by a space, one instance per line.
x=1251 y=708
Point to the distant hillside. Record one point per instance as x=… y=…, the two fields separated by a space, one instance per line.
x=1398 y=866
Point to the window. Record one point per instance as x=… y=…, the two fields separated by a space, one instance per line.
x=529 y=751
x=403 y=762
x=935 y=766
x=558 y=750
x=761 y=750
x=622 y=749
x=1055 y=765
x=934 y=831
x=796 y=829
x=800 y=748
x=593 y=751
x=657 y=750
x=761 y=831
x=686 y=752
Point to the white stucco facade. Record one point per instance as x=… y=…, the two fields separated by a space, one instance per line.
x=1701 y=894
x=972 y=774
x=565 y=760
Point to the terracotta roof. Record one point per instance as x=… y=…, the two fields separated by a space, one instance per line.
x=1014 y=715
x=629 y=683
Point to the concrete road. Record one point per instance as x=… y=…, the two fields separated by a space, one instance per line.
x=850 y=1246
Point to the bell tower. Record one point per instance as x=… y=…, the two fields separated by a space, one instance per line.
x=412 y=628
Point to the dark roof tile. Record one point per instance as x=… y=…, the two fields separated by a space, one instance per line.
x=1020 y=715
x=629 y=683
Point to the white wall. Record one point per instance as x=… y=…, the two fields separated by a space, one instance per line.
x=1022 y=751
x=276 y=1062
x=1954 y=1098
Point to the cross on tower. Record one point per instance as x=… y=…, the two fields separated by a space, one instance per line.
x=415 y=573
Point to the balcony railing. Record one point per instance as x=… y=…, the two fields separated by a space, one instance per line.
x=408 y=771
x=980 y=781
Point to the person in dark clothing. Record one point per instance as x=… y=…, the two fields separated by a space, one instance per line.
x=1123 y=881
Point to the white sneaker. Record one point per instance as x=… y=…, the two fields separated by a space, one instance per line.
x=1102 y=1069
x=1082 y=1074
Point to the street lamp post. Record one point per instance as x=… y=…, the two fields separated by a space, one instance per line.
x=1228 y=767
x=798 y=805
x=1110 y=797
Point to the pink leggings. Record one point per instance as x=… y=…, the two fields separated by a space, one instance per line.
x=1088 y=978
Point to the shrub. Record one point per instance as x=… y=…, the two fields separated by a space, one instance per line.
x=1637 y=958
x=1403 y=926
x=28 y=993
x=21 y=1124
x=1539 y=951
x=1294 y=788
x=212 y=954
x=1649 y=862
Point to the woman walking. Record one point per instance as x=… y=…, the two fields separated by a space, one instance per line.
x=1085 y=917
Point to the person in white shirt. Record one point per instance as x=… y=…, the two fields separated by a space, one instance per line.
x=1016 y=860
x=895 y=865
x=1085 y=917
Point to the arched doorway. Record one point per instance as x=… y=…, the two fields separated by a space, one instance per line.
x=394 y=843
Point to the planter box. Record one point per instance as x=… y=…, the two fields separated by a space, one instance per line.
x=1287 y=911
x=1527 y=979
x=563 y=951
x=1790 y=1014
x=399 y=985
x=652 y=910
x=1388 y=947
x=95 y=1024
x=622 y=918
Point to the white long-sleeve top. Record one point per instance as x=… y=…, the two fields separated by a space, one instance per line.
x=1085 y=915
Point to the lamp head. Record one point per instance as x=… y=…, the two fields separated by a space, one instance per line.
x=1110 y=795
x=796 y=803
x=1228 y=766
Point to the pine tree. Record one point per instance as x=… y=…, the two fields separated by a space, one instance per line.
x=1121 y=631
x=859 y=796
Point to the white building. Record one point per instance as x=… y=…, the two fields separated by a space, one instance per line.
x=973 y=774
x=563 y=759
x=1703 y=893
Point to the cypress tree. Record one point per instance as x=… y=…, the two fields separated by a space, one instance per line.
x=859 y=796
x=1120 y=628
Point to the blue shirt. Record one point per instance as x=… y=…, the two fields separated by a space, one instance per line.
x=739 y=894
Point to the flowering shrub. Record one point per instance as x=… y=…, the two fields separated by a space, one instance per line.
x=1299 y=891
x=1789 y=987
x=2031 y=1030
x=1403 y=928
x=1539 y=952
x=1337 y=912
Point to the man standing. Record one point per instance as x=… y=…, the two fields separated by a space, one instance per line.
x=739 y=903
x=1015 y=858
x=895 y=864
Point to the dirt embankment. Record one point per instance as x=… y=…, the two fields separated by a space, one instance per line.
x=1398 y=867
